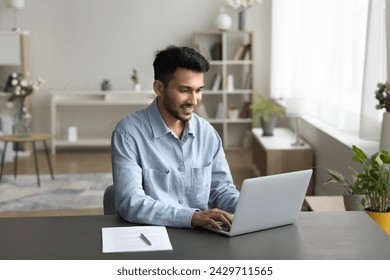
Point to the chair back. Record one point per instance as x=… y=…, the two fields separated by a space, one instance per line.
x=109 y=201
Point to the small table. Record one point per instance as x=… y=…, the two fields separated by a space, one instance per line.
x=322 y=203
x=32 y=138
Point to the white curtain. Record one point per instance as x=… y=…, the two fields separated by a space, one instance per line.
x=318 y=52
x=375 y=70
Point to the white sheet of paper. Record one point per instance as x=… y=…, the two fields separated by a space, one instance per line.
x=128 y=239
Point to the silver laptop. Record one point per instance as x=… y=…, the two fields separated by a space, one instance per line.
x=268 y=202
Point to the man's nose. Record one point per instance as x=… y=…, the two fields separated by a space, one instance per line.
x=193 y=97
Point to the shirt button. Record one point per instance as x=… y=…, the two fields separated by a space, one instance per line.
x=181 y=168
x=181 y=201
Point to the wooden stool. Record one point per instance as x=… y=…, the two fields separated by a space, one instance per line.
x=32 y=138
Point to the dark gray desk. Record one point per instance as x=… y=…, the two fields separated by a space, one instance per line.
x=317 y=235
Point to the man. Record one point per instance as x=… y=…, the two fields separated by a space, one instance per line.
x=169 y=167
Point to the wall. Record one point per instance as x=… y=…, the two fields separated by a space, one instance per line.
x=75 y=44
x=332 y=149
x=328 y=153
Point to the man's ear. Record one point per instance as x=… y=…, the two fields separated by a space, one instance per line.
x=158 y=87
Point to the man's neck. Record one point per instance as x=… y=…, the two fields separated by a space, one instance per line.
x=178 y=129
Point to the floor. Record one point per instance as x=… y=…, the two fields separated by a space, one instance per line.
x=90 y=161
x=75 y=161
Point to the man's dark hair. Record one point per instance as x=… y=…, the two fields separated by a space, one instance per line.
x=167 y=61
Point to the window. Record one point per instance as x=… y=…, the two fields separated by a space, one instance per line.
x=319 y=52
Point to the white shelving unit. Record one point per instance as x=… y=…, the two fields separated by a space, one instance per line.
x=222 y=49
x=94 y=113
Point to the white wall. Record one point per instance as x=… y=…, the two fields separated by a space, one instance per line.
x=328 y=153
x=75 y=44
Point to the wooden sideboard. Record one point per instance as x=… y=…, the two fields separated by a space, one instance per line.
x=276 y=154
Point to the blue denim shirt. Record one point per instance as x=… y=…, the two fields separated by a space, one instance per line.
x=161 y=179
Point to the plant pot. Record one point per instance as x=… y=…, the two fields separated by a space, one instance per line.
x=381 y=218
x=353 y=202
x=384 y=143
x=268 y=127
x=233 y=113
x=137 y=87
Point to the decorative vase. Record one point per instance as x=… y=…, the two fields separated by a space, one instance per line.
x=23 y=120
x=353 y=202
x=223 y=21
x=384 y=143
x=137 y=87
x=106 y=85
x=241 y=20
x=381 y=218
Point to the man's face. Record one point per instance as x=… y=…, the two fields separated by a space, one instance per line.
x=182 y=94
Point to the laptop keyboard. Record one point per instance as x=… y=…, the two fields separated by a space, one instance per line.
x=224 y=227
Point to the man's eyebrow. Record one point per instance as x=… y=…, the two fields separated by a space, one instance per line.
x=189 y=87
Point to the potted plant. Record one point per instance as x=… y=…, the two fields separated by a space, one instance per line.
x=382 y=94
x=268 y=111
x=374 y=182
x=353 y=197
x=135 y=79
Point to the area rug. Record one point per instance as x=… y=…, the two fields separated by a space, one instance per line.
x=66 y=191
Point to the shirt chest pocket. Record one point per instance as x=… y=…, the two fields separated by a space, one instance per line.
x=156 y=182
x=200 y=186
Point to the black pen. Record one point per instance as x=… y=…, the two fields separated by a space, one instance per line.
x=145 y=239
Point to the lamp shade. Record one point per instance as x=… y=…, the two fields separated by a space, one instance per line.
x=16 y=4
x=223 y=21
x=296 y=106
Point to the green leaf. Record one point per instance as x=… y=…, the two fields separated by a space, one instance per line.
x=335 y=176
x=359 y=155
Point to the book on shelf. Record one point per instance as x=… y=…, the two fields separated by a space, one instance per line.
x=247 y=52
x=242 y=52
x=248 y=81
x=239 y=52
x=217 y=82
x=246 y=111
x=220 y=112
x=216 y=51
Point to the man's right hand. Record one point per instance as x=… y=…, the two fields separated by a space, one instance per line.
x=211 y=218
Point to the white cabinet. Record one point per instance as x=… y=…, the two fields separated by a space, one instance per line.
x=228 y=84
x=93 y=113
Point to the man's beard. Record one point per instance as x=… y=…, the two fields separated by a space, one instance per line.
x=172 y=111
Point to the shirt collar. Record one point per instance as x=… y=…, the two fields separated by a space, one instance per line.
x=158 y=125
